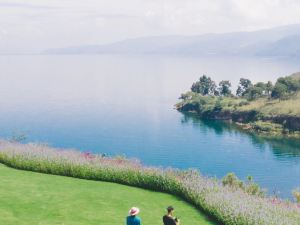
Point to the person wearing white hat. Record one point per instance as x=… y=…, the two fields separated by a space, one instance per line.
x=133 y=219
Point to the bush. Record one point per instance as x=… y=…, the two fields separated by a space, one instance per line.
x=232 y=180
x=218 y=105
x=265 y=126
x=296 y=194
x=250 y=187
x=242 y=103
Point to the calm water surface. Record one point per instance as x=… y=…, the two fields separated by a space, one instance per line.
x=123 y=105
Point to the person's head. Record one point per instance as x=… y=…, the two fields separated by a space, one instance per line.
x=170 y=210
x=134 y=211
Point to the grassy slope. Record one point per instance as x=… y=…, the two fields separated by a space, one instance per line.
x=268 y=107
x=275 y=107
x=33 y=198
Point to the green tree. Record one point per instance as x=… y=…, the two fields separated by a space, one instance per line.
x=254 y=92
x=205 y=86
x=224 y=88
x=261 y=85
x=239 y=91
x=244 y=85
x=269 y=88
x=279 y=90
x=291 y=84
x=285 y=86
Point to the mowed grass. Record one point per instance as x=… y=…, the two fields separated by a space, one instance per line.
x=42 y=199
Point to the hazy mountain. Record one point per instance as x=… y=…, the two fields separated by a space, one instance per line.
x=280 y=41
x=287 y=46
x=296 y=76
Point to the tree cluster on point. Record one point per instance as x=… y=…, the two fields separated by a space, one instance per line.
x=283 y=88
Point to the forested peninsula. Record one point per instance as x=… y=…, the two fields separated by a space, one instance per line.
x=266 y=108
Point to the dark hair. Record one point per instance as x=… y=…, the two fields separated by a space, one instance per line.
x=170 y=208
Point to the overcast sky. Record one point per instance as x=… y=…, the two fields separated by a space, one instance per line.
x=34 y=25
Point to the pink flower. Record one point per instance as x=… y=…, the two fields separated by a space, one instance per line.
x=88 y=155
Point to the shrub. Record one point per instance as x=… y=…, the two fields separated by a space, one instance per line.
x=232 y=180
x=249 y=187
x=265 y=126
x=218 y=105
x=242 y=103
x=296 y=194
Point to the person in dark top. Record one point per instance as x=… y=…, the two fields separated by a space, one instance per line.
x=133 y=219
x=169 y=219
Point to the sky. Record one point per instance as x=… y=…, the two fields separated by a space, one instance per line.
x=31 y=26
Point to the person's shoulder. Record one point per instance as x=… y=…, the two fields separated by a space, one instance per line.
x=168 y=218
x=138 y=218
x=165 y=217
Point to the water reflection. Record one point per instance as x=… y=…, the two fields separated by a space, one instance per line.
x=283 y=148
x=122 y=105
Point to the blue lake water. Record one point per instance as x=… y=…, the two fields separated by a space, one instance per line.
x=123 y=105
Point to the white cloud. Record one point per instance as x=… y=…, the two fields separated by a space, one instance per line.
x=39 y=24
x=23 y=5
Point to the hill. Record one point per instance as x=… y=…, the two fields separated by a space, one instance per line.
x=296 y=76
x=276 y=42
x=287 y=46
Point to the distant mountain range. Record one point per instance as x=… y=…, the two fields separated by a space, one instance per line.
x=276 y=42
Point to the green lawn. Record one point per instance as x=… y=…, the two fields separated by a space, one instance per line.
x=33 y=198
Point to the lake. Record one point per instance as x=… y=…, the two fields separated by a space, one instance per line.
x=124 y=105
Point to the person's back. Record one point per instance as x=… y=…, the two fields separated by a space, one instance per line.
x=169 y=219
x=133 y=220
